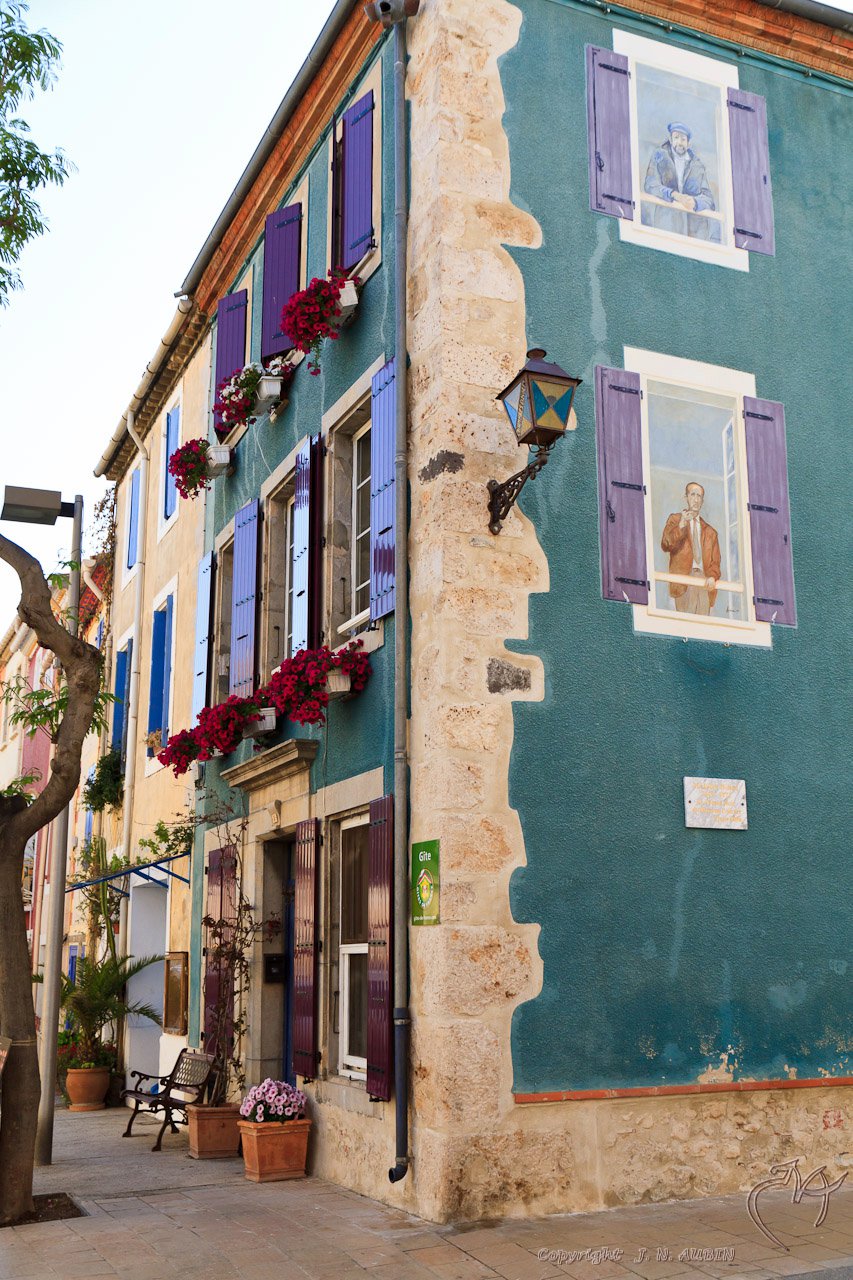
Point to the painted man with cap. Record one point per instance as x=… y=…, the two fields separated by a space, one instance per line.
x=677 y=175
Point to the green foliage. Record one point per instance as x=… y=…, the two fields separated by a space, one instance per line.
x=22 y=786
x=98 y=999
x=168 y=839
x=28 y=61
x=103 y=900
x=44 y=708
x=106 y=788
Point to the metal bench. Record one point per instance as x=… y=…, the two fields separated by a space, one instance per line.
x=184 y=1085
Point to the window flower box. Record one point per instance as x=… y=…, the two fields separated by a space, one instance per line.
x=268 y=393
x=338 y=683
x=348 y=301
x=219 y=461
x=266 y=724
x=319 y=312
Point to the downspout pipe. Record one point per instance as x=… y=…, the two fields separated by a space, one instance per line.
x=402 y=1018
x=136 y=664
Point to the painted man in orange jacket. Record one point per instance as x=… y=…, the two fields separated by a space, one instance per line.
x=694 y=551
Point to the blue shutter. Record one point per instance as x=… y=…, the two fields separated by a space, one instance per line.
x=301 y=542
x=315 y=545
x=282 y=251
x=128 y=670
x=155 y=688
x=244 y=601
x=87 y=833
x=167 y=665
x=204 y=599
x=99 y=634
x=383 y=422
x=133 y=522
x=357 y=231
x=611 y=189
x=170 y=492
x=121 y=675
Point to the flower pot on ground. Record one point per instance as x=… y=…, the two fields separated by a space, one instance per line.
x=213 y=1131
x=274 y=1131
x=87 y=1088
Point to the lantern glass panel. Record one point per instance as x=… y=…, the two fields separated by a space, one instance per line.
x=552 y=402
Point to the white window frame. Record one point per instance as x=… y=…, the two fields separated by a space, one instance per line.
x=693 y=66
x=164 y=525
x=650 y=619
x=348 y=1064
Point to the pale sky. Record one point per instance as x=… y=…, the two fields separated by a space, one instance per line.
x=160 y=106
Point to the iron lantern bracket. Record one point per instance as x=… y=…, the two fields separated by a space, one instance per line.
x=502 y=497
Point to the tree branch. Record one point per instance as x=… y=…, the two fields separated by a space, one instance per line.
x=81 y=663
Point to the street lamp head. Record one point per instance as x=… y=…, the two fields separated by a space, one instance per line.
x=538 y=401
x=34 y=506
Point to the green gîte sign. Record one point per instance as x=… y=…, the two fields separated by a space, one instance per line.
x=425 y=882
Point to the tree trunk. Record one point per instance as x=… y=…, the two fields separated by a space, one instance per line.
x=20 y=1080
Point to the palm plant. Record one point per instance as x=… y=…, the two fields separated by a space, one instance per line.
x=97 y=998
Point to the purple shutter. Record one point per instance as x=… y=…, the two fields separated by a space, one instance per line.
x=383 y=425
x=305 y=953
x=751 y=187
x=621 y=507
x=380 y=948
x=315 y=546
x=220 y=908
x=769 y=512
x=204 y=599
x=244 y=601
x=282 y=252
x=611 y=188
x=357 y=182
x=301 y=543
x=230 y=338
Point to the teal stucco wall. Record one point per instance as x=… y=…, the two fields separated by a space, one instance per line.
x=667 y=950
x=358 y=734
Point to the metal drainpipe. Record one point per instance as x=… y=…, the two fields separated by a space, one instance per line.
x=136 y=665
x=402 y=1019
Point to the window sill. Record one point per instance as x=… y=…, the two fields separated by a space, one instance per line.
x=348 y=1095
x=659 y=622
x=372 y=638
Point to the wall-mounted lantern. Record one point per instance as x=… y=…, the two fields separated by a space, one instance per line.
x=538 y=403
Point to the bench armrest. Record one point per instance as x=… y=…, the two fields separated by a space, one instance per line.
x=144 y=1075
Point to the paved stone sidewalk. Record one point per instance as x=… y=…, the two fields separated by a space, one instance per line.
x=158 y=1217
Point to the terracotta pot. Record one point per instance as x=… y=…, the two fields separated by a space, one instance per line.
x=273 y=1151
x=87 y=1087
x=213 y=1132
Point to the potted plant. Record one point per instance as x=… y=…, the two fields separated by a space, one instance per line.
x=318 y=312
x=236 y=397
x=275 y=1132
x=273 y=384
x=92 y=1003
x=195 y=464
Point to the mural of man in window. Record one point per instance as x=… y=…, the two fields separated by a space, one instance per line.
x=694 y=551
x=677 y=175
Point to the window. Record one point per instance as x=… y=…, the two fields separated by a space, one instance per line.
x=171 y=440
x=350 y=529
x=352 y=929
x=161 y=676
x=678 y=152
x=133 y=522
x=224 y=586
x=231 y=330
x=280 y=579
x=694 y=516
x=285 y=254
x=355 y=213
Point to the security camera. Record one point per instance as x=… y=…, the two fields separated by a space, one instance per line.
x=390 y=12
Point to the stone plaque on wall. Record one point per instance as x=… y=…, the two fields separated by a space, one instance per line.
x=715 y=802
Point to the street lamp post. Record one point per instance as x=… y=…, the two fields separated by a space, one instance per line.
x=41 y=506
